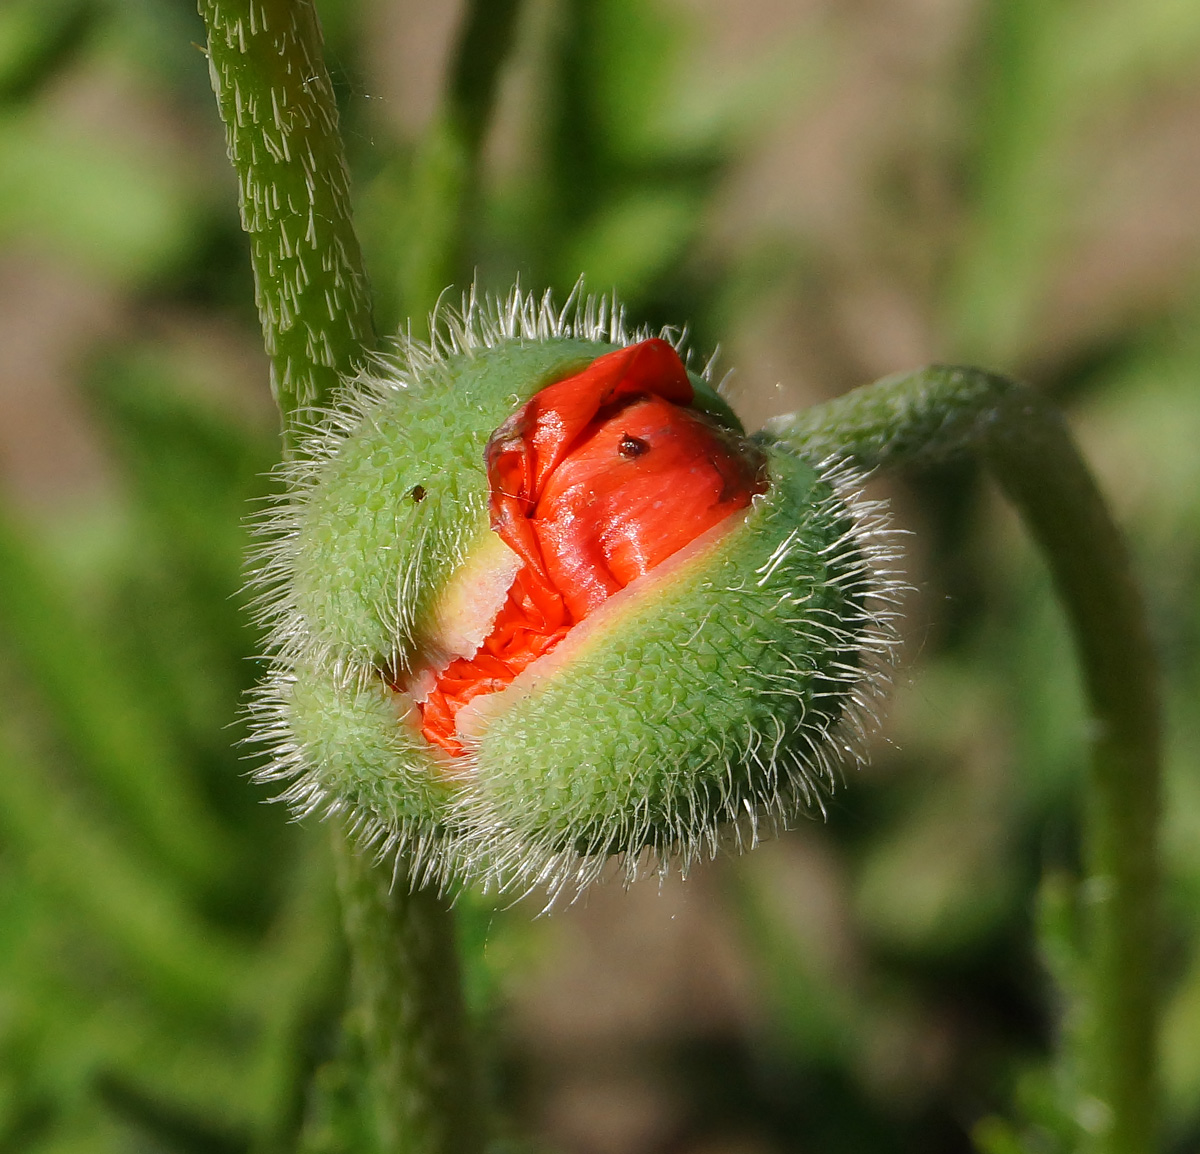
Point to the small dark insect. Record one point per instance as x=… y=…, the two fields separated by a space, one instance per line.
x=632 y=446
x=417 y=493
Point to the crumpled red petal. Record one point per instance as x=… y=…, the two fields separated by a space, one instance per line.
x=644 y=483
x=594 y=482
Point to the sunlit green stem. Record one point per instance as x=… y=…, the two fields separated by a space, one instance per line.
x=275 y=97
x=941 y=413
x=281 y=125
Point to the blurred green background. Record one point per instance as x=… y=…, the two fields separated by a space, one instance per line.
x=832 y=190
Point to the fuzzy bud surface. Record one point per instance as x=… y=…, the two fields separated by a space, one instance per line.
x=538 y=602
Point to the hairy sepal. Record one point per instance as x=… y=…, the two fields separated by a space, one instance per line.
x=716 y=689
x=389 y=517
x=714 y=694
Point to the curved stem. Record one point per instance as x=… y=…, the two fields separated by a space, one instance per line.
x=940 y=413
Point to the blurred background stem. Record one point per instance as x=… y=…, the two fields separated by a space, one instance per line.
x=445 y=176
x=276 y=99
x=938 y=414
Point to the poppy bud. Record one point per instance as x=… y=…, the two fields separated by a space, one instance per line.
x=537 y=601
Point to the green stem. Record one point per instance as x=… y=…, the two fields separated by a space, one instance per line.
x=422 y=1095
x=275 y=97
x=941 y=413
x=281 y=125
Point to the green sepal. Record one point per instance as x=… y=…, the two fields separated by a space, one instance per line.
x=358 y=746
x=717 y=690
x=709 y=401
x=703 y=689
x=397 y=509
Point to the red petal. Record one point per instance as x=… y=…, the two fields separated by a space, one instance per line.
x=530 y=445
x=645 y=483
x=597 y=479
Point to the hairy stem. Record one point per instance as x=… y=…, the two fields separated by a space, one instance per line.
x=275 y=97
x=940 y=413
x=281 y=125
x=421 y=1093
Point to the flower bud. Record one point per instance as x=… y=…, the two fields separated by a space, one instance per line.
x=537 y=601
